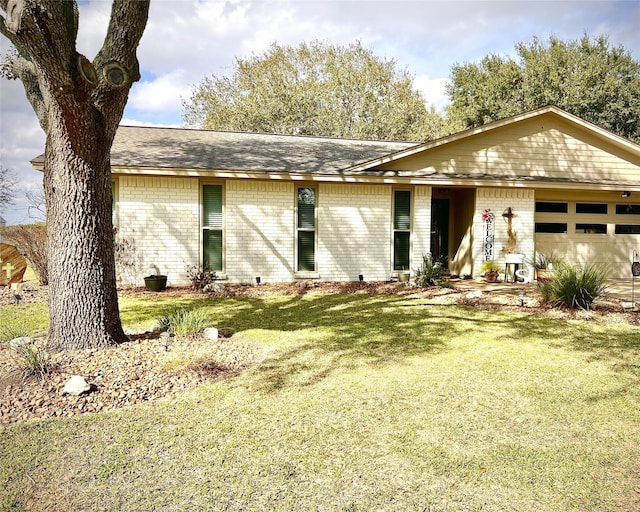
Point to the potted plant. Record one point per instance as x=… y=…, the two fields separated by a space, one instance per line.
x=155 y=281
x=490 y=270
x=403 y=276
x=544 y=265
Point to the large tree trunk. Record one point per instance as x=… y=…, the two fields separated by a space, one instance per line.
x=83 y=301
x=79 y=104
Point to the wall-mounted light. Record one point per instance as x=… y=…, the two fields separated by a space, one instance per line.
x=626 y=193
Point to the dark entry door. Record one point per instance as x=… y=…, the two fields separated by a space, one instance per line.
x=440 y=230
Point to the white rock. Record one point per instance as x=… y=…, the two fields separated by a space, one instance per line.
x=76 y=385
x=210 y=333
x=20 y=342
x=213 y=288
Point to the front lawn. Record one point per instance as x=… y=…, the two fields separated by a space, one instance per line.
x=363 y=402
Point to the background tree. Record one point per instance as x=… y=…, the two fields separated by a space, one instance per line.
x=7 y=188
x=586 y=77
x=315 y=89
x=79 y=104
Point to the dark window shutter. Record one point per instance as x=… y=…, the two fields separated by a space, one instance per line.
x=306 y=251
x=401 y=250
x=306 y=208
x=212 y=249
x=402 y=210
x=212 y=206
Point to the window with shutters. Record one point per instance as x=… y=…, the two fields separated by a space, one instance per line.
x=401 y=229
x=212 y=227
x=306 y=229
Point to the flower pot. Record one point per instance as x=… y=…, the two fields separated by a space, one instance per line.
x=155 y=283
x=544 y=275
x=491 y=277
x=403 y=277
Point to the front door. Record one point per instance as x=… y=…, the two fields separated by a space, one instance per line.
x=440 y=230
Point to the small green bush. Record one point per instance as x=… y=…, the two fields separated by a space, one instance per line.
x=183 y=322
x=575 y=286
x=11 y=330
x=429 y=273
x=32 y=361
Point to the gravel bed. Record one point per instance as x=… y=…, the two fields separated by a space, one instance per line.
x=146 y=368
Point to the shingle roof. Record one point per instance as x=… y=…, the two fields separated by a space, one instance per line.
x=205 y=149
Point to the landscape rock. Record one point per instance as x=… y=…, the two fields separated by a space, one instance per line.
x=20 y=342
x=213 y=288
x=76 y=385
x=210 y=333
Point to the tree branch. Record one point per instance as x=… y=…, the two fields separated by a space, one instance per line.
x=116 y=63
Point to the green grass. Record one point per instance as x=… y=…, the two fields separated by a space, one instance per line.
x=363 y=403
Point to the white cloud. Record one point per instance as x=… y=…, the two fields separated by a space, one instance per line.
x=186 y=40
x=433 y=90
x=160 y=95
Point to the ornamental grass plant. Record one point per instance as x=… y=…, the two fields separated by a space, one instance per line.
x=575 y=286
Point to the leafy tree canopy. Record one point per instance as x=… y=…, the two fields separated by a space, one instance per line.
x=586 y=77
x=315 y=89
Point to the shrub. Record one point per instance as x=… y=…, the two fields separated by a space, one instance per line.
x=430 y=272
x=31 y=242
x=200 y=276
x=11 y=330
x=544 y=261
x=575 y=286
x=184 y=322
x=33 y=361
x=489 y=266
x=125 y=257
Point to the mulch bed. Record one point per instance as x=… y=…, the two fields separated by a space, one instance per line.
x=141 y=370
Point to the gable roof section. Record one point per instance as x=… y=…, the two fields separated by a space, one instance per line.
x=547 y=145
x=174 y=148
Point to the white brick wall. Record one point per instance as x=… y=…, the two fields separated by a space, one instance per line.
x=160 y=217
x=421 y=235
x=259 y=230
x=522 y=203
x=354 y=232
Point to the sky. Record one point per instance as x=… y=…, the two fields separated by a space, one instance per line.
x=186 y=40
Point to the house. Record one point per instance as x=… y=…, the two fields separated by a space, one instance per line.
x=285 y=208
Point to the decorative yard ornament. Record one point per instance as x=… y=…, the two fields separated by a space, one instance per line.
x=487 y=219
x=512 y=239
x=12 y=265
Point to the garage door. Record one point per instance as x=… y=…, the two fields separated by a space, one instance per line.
x=601 y=228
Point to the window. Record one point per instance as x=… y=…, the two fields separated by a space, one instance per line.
x=550 y=207
x=551 y=227
x=592 y=208
x=401 y=229
x=306 y=228
x=212 y=226
x=628 y=209
x=592 y=229
x=627 y=229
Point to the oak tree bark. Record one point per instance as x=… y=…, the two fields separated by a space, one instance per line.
x=79 y=104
